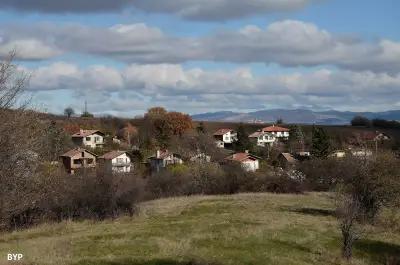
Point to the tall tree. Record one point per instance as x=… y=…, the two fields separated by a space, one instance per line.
x=296 y=139
x=320 y=143
x=243 y=143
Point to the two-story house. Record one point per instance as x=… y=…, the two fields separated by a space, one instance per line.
x=78 y=158
x=278 y=132
x=248 y=161
x=225 y=137
x=116 y=162
x=89 y=138
x=262 y=138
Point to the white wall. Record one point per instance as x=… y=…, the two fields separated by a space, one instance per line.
x=91 y=142
x=120 y=164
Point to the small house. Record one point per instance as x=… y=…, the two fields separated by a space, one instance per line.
x=225 y=137
x=277 y=131
x=164 y=158
x=116 y=162
x=286 y=160
x=262 y=138
x=248 y=161
x=78 y=158
x=89 y=138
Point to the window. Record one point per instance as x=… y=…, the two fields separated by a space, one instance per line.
x=120 y=160
x=96 y=139
x=90 y=161
x=88 y=138
x=77 y=162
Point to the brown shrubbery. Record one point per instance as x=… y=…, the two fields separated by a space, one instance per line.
x=57 y=196
x=212 y=178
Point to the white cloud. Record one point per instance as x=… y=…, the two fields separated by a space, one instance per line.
x=197 y=90
x=28 y=49
x=288 y=43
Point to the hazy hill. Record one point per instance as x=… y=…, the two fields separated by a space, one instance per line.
x=295 y=116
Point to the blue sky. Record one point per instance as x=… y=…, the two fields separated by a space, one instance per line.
x=195 y=57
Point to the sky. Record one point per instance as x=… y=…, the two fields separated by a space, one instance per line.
x=196 y=56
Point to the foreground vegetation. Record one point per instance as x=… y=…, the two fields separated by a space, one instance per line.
x=233 y=229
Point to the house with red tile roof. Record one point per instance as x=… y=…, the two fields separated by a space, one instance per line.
x=248 y=161
x=78 y=158
x=262 y=138
x=89 y=138
x=277 y=131
x=116 y=162
x=225 y=137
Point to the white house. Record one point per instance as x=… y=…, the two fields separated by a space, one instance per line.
x=278 y=132
x=116 y=162
x=225 y=136
x=163 y=158
x=263 y=138
x=248 y=161
x=89 y=138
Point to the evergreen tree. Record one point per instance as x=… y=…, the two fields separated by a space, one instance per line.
x=320 y=143
x=296 y=139
x=243 y=143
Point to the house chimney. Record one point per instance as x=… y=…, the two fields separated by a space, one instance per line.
x=247 y=151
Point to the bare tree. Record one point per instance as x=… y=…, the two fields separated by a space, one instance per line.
x=349 y=213
x=69 y=112
x=20 y=143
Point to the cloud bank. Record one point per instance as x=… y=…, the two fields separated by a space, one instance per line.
x=288 y=43
x=137 y=87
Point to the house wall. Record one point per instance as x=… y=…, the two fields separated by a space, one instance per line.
x=251 y=165
x=93 y=141
x=121 y=164
x=84 y=161
x=229 y=137
x=262 y=140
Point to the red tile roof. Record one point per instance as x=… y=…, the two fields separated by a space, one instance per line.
x=222 y=132
x=274 y=128
x=240 y=157
x=84 y=133
x=257 y=134
x=76 y=151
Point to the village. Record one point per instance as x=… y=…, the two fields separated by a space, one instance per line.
x=274 y=137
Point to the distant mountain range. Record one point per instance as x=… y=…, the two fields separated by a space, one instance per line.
x=302 y=116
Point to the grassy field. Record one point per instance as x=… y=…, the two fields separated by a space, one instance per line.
x=239 y=229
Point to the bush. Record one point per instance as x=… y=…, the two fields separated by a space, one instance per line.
x=56 y=196
x=211 y=178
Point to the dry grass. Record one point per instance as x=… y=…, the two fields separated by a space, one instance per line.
x=237 y=229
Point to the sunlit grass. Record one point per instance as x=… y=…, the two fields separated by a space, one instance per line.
x=238 y=229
